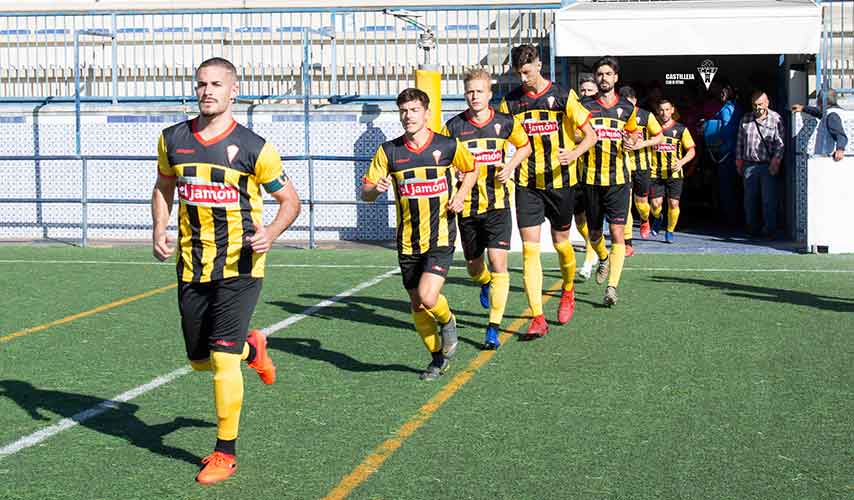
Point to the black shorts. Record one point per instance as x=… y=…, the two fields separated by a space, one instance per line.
x=640 y=182
x=533 y=206
x=670 y=187
x=215 y=316
x=436 y=261
x=580 y=200
x=487 y=230
x=606 y=201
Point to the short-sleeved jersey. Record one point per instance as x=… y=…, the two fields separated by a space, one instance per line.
x=641 y=159
x=604 y=164
x=550 y=119
x=677 y=141
x=219 y=192
x=423 y=180
x=487 y=141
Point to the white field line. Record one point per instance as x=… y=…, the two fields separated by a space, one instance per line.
x=377 y=266
x=78 y=418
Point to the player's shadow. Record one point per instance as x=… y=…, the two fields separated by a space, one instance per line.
x=777 y=295
x=313 y=349
x=101 y=415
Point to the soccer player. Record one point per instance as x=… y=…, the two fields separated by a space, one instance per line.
x=545 y=185
x=639 y=158
x=605 y=176
x=419 y=166
x=219 y=168
x=586 y=88
x=676 y=151
x=485 y=222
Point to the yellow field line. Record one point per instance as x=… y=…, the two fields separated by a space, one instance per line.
x=387 y=448
x=90 y=312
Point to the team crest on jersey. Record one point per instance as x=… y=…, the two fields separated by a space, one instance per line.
x=497 y=128
x=674 y=133
x=551 y=101
x=619 y=112
x=231 y=151
x=437 y=155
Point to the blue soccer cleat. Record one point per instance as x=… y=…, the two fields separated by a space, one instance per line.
x=656 y=224
x=484 y=295
x=490 y=341
x=668 y=237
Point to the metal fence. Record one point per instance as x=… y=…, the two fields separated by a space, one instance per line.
x=351 y=52
x=835 y=61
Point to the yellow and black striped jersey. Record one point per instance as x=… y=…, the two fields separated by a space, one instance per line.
x=604 y=164
x=677 y=141
x=219 y=191
x=648 y=126
x=550 y=119
x=423 y=180
x=487 y=141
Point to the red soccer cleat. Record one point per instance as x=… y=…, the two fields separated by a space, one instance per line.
x=566 y=306
x=630 y=250
x=218 y=467
x=644 y=229
x=262 y=363
x=538 y=327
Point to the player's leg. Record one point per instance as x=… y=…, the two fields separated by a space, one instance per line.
x=194 y=305
x=430 y=299
x=617 y=199
x=559 y=208
x=499 y=227
x=590 y=257
x=530 y=214
x=231 y=309
x=411 y=270
x=472 y=240
x=674 y=192
x=656 y=192
x=640 y=188
x=627 y=230
x=595 y=223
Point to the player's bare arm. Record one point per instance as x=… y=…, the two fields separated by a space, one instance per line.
x=371 y=191
x=588 y=141
x=507 y=170
x=455 y=204
x=161 y=208
x=289 y=209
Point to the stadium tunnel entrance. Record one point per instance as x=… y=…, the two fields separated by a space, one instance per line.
x=685 y=50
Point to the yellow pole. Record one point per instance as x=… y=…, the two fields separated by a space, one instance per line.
x=428 y=79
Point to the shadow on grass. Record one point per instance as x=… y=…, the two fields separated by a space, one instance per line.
x=312 y=349
x=777 y=295
x=101 y=415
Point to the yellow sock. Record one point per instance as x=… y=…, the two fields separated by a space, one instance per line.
x=532 y=276
x=245 y=354
x=582 y=229
x=426 y=327
x=203 y=365
x=483 y=276
x=627 y=231
x=672 y=218
x=566 y=257
x=656 y=211
x=498 y=293
x=441 y=312
x=618 y=256
x=643 y=210
x=600 y=248
x=228 y=393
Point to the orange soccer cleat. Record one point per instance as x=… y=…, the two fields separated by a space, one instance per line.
x=645 y=230
x=538 y=327
x=218 y=467
x=566 y=307
x=262 y=363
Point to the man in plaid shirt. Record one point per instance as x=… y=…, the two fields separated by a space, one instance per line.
x=758 y=156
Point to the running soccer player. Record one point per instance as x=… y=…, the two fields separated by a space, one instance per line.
x=586 y=88
x=639 y=158
x=605 y=176
x=545 y=185
x=419 y=166
x=485 y=222
x=219 y=168
x=676 y=151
